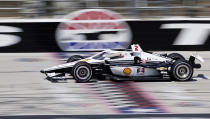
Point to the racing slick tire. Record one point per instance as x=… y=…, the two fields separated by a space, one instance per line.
x=74 y=58
x=181 y=71
x=82 y=72
x=176 y=56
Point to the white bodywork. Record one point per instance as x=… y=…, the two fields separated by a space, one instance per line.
x=122 y=57
x=108 y=54
x=135 y=71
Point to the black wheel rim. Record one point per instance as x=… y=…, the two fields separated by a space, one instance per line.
x=183 y=71
x=83 y=72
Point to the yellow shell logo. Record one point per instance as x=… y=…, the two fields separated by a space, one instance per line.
x=127 y=71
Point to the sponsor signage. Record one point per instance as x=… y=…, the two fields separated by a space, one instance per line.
x=189 y=35
x=93 y=29
x=7 y=38
x=28 y=36
x=78 y=33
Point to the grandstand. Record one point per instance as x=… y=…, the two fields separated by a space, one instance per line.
x=128 y=8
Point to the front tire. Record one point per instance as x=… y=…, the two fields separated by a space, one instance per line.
x=181 y=71
x=82 y=72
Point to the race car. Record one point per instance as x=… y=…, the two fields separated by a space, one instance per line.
x=134 y=64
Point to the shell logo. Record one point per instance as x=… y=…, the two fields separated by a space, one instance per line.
x=127 y=71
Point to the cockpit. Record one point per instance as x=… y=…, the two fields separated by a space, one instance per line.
x=108 y=55
x=100 y=56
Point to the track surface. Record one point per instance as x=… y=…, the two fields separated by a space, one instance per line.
x=23 y=91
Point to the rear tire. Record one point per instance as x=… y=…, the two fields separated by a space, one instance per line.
x=181 y=71
x=82 y=72
x=176 y=56
x=74 y=58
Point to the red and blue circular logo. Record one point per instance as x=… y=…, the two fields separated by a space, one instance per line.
x=93 y=29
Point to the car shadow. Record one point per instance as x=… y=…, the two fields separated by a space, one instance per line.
x=152 y=80
x=121 y=81
x=64 y=80
x=57 y=80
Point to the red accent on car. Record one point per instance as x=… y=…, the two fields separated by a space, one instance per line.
x=136 y=48
x=121 y=55
x=142 y=70
x=143 y=61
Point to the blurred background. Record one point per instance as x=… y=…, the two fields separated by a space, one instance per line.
x=28 y=46
x=128 y=8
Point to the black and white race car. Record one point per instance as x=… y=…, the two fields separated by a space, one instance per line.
x=132 y=64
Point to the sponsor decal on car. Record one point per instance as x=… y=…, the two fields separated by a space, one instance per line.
x=127 y=71
x=162 y=68
x=84 y=60
x=140 y=70
x=93 y=29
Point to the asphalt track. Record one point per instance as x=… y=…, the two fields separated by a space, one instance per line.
x=23 y=91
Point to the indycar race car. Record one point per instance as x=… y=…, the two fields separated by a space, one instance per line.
x=134 y=64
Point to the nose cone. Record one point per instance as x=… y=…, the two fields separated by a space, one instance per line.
x=42 y=71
